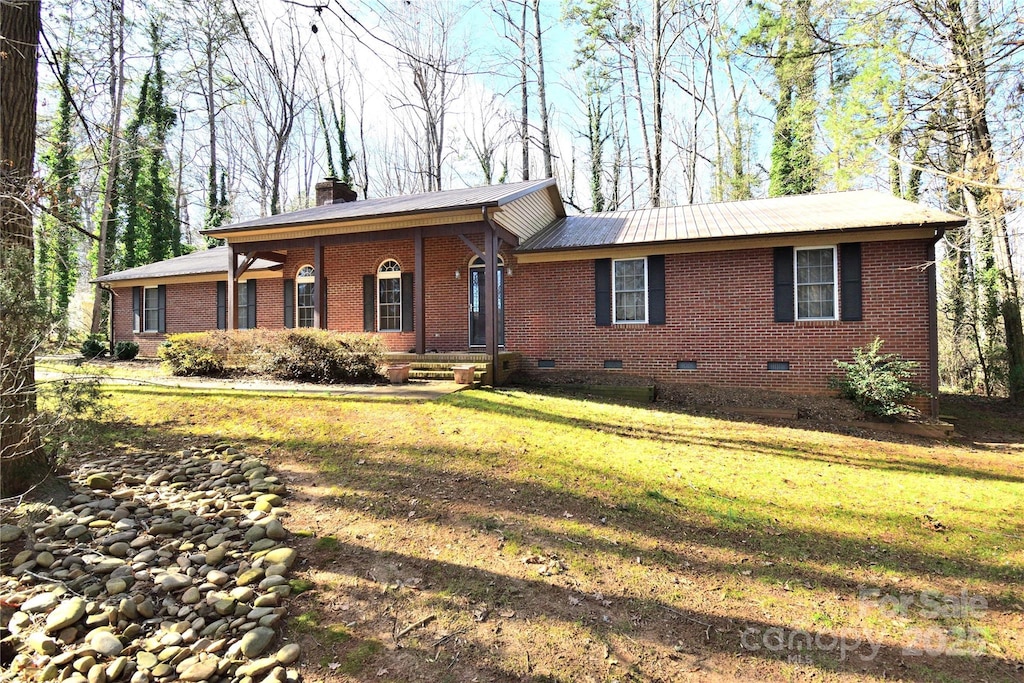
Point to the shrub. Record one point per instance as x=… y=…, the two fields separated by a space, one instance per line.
x=318 y=356
x=878 y=383
x=94 y=346
x=126 y=350
x=192 y=353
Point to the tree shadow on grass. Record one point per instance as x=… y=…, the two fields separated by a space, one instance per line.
x=483 y=402
x=646 y=621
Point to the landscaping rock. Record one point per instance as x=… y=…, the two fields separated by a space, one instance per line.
x=256 y=641
x=65 y=614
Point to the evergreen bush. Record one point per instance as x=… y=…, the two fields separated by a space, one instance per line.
x=878 y=383
x=126 y=350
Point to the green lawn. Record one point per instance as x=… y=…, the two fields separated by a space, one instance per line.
x=612 y=542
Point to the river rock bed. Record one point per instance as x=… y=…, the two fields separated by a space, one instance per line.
x=158 y=567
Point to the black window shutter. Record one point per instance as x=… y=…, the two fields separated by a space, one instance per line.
x=136 y=309
x=849 y=266
x=603 y=292
x=656 y=290
x=222 y=305
x=161 y=298
x=250 y=303
x=784 y=285
x=369 y=297
x=407 y=303
x=289 y=303
x=323 y=303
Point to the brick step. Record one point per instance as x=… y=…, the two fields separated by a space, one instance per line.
x=441 y=374
x=442 y=366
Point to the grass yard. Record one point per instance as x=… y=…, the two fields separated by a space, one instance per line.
x=510 y=535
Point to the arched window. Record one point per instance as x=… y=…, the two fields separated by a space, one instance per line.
x=389 y=296
x=304 y=301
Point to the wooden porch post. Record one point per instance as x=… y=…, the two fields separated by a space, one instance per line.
x=318 y=299
x=419 y=295
x=491 y=293
x=231 y=319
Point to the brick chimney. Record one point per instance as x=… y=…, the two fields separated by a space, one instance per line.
x=332 y=191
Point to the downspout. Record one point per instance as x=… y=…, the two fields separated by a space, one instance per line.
x=933 y=325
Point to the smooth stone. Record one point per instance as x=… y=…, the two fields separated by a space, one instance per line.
x=166 y=528
x=225 y=607
x=42 y=643
x=191 y=596
x=256 y=641
x=268 y=600
x=260 y=666
x=41 y=602
x=97 y=674
x=45 y=559
x=285 y=556
x=116 y=668
x=215 y=556
x=217 y=577
x=201 y=671
x=162 y=669
x=146 y=608
x=249 y=576
x=119 y=549
x=116 y=586
x=255 y=533
x=83 y=664
x=288 y=654
x=146 y=660
x=99 y=481
x=105 y=643
x=65 y=614
x=277 y=570
x=263 y=544
x=172 y=581
x=49 y=672
x=276 y=530
x=272 y=498
x=76 y=531
x=107 y=566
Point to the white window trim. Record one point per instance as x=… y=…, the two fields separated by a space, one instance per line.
x=389 y=275
x=835 y=282
x=647 y=294
x=243 y=286
x=301 y=280
x=156 y=326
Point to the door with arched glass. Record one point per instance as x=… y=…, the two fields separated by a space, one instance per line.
x=477 y=303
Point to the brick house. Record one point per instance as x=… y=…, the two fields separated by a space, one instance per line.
x=761 y=293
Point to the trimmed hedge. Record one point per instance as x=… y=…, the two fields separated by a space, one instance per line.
x=126 y=350
x=304 y=354
x=94 y=346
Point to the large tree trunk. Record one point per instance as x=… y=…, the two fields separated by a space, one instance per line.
x=22 y=462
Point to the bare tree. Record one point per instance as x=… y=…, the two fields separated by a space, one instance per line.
x=271 y=86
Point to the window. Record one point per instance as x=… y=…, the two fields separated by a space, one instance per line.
x=151 y=310
x=304 y=296
x=243 y=306
x=815 y=283
x=629 y=290
x=389 y=296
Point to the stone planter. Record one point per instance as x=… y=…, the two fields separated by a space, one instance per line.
x=464 y=374
x=399 y=374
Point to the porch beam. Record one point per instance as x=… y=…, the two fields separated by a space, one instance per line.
x=419 y=294
x=231 y=319
x=318 y=285
x=477 y=227
x=472 y=247
x=247 y=261
x=273 y=256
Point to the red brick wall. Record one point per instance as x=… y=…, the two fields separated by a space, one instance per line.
x=719 y=312
x=191 y=307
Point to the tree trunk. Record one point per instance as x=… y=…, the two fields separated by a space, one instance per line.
x=524 y=117
x=113 y=162
x=22 y=461
x=545 y=138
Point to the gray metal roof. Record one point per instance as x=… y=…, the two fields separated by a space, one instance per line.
x=829 y=212
x=207 y=261
x=427 y=202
